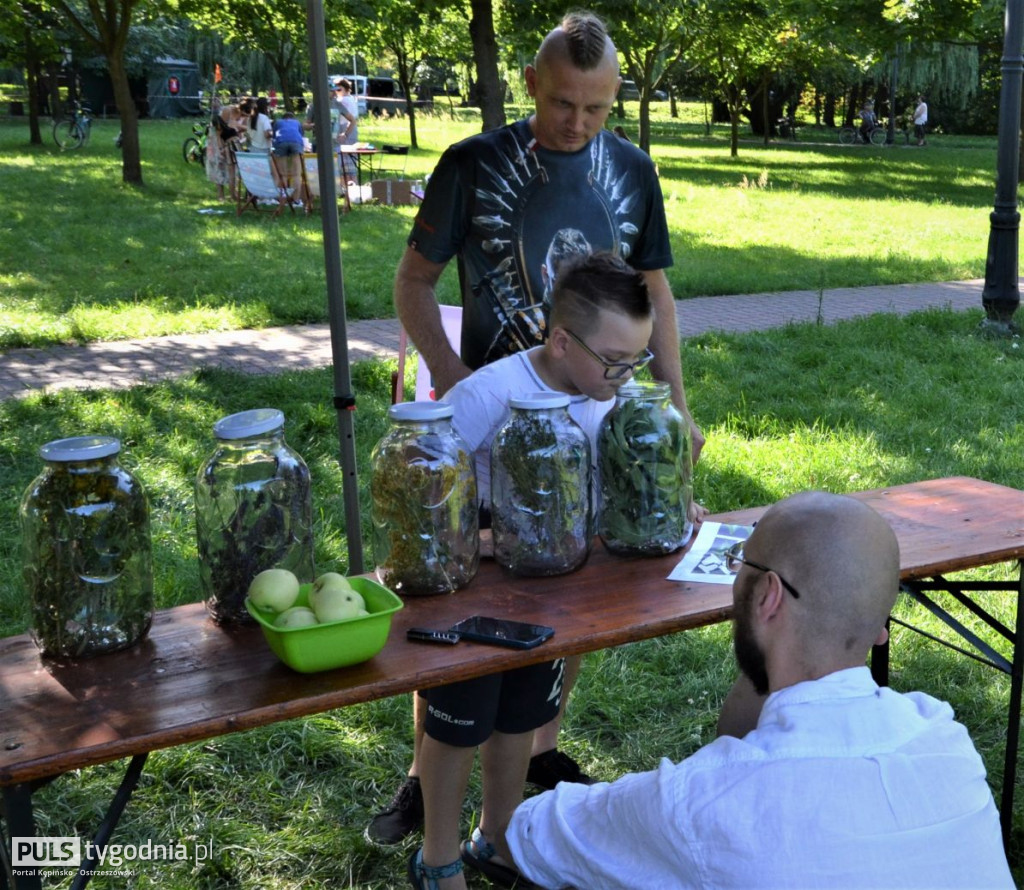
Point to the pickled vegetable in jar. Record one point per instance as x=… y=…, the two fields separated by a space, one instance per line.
x=86 y=551
x=425 y=511
x=254 y=511
x=541 y=511
x=644 y=457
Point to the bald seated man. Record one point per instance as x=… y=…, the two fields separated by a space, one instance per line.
x=842 y=784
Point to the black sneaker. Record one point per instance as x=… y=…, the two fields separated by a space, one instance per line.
x=400 y=818
x=548 y=769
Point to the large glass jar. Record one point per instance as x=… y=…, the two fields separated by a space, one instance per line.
x=540 y=488
x=87 y=559
x=644 y=460
x=425 y=513
x=254 y=511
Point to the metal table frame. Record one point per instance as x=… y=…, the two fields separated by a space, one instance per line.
x=964 y=593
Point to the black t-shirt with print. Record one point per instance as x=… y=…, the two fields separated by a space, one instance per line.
x=511 y=211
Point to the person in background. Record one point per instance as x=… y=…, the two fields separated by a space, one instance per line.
x=288 y=146
x=868 y=121
x=346 y=126
x=261 y=131
x=842 y=783
x=920 y=119
x=334 y=105
x=227 y=126
x=495 y=202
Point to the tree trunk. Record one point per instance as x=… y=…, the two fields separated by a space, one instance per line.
x=131 y=160
x=405 y=68
x=829 y=117
x=32 y=69
x=485 y=54
x=766 y=122
x=53 y=90
x=645 y=123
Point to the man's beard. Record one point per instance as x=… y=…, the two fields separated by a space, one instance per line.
x=749 y=655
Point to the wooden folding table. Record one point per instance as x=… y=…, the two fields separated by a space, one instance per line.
x=190 y=680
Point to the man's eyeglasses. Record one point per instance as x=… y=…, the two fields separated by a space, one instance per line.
x=614 y=370
x=734 y=558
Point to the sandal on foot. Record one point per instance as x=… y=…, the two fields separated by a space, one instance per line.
x=420 y=872
x=479 y=853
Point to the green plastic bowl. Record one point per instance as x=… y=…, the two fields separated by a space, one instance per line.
x=322 y=647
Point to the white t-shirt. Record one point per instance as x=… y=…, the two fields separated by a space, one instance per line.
x=481 y=407
x=842 y=785
x=351 y=105
x=258 y=138
x=921 y=114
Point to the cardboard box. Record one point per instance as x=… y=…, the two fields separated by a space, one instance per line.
x=392 y=191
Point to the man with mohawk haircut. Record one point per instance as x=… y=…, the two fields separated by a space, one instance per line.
x=500 y=198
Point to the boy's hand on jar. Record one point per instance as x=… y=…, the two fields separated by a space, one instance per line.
x=696 y=513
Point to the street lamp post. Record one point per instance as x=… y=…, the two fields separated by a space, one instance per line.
x=1001 y=295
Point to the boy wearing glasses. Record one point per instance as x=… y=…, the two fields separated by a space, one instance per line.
x=601 y=321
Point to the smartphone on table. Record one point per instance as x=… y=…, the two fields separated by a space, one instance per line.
x=503 y=632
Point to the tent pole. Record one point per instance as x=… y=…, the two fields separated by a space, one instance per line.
x=344 y=399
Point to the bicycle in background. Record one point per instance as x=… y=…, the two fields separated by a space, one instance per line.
x=73 y=132
x=852 y=135
x=194 y=147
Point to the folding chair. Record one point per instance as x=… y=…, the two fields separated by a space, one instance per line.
x=260 y=180
x=451 y=321
x=311 y=180
x=391 y=161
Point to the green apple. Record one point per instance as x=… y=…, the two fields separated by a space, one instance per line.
x=333 y=599
x=331 y=579
x=274 y=590
x=296 y=616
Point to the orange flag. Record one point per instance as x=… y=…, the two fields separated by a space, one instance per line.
x=216 y=73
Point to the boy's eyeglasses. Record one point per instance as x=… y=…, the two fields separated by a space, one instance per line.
x=734 y=558
x=613 y=370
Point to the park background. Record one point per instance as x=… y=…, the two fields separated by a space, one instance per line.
x=85 y=256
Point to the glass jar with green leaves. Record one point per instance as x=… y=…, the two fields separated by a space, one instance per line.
x=541 y=514
x=254 y=511
x=86 y=551
x=424 y=507
x=644 y=461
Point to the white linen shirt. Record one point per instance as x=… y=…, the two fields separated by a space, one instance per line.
x=842 y=785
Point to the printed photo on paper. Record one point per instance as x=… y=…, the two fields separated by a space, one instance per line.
x=705 y=560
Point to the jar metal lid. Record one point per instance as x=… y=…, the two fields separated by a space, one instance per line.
x=80 y=448
x=643 y=388
x=420 y=412
x=540 y=400
x=246 y=424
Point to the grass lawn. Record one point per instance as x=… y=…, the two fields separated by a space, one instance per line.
x=862 y=404
x=84 y=258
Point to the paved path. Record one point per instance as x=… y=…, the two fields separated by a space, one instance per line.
x=124 y=363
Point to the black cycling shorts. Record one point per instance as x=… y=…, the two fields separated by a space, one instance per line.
x=465 y=714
